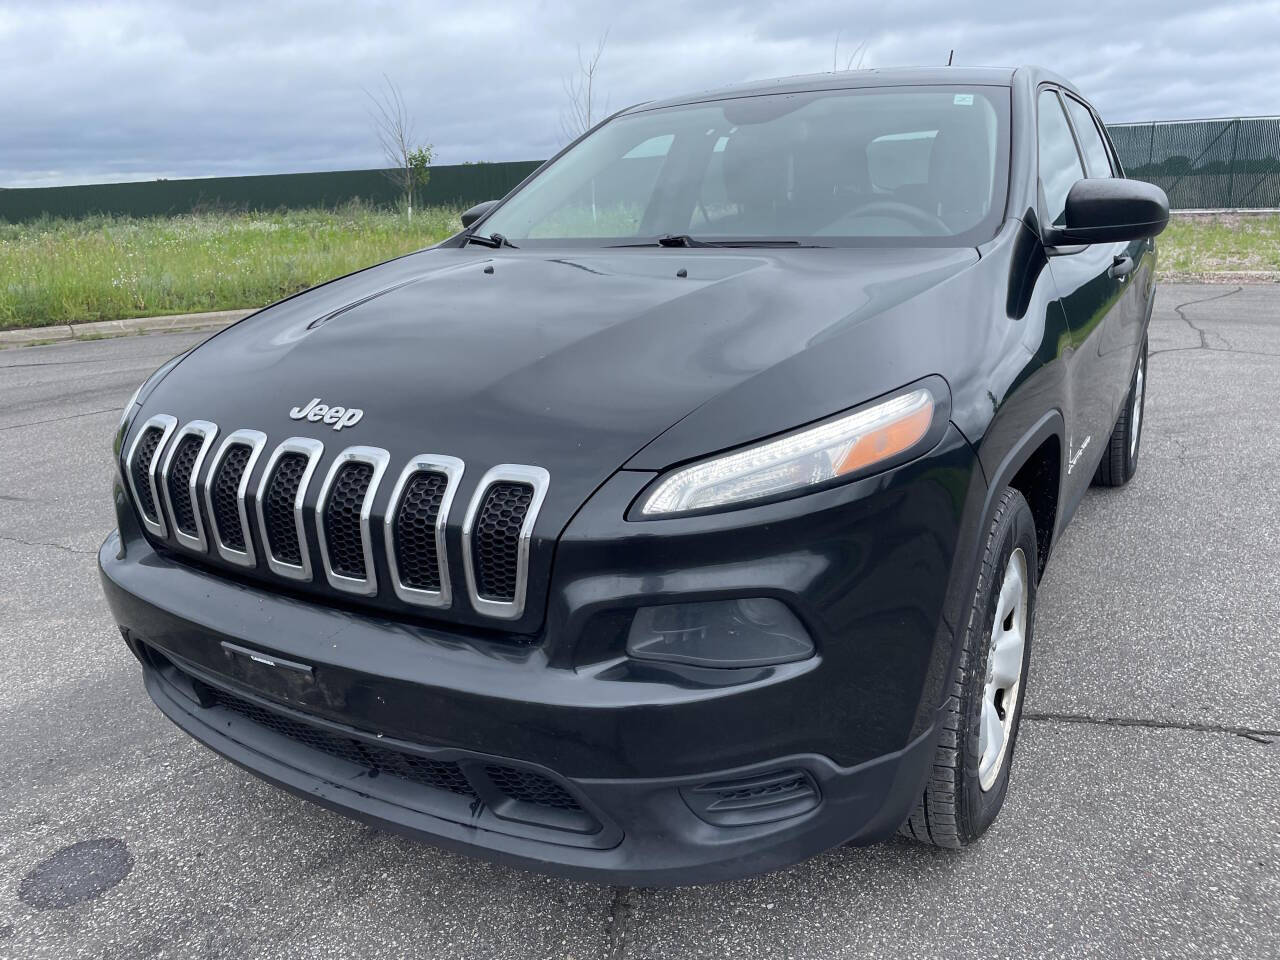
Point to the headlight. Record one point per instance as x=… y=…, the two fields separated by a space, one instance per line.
x=815 y=455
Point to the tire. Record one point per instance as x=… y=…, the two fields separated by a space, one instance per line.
x=967 y=785
x=1120 y=461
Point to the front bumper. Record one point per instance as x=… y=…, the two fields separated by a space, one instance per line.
x=639 y=747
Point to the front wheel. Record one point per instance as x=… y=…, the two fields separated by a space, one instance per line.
x=1120 y=460
x=970 y=776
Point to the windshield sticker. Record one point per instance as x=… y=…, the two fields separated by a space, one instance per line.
x=963 y=100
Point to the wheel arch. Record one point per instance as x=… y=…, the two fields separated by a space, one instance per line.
x=1033 y=467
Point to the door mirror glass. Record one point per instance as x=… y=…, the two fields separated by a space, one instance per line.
x=1110 y=211
x=475 y=213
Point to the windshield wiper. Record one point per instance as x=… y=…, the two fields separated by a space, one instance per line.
x=684 y=240
x=493 y=240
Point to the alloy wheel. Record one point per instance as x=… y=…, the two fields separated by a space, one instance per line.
x=1135 y=414
x=1004 y=671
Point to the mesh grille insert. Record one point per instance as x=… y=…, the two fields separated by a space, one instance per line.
x=496 y=539
x=140 y=468
x=184 y=461
x=342 y=532
x=277 y=511
x=417 y=561
x=226 y=487
x=440 y=774
x=529 y=787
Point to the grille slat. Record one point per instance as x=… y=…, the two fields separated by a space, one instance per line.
x=179 y=478
x=343 y=537
x=282 y=489
x=225 y=487
x=417 y=557
x=143 y=456
x=496 y=540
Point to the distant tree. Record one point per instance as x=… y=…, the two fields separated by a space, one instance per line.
x=409 y=161
x=584 y=108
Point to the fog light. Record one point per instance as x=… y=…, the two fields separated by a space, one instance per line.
x=722 y=633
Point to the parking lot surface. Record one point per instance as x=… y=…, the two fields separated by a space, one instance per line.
x=1143 y=818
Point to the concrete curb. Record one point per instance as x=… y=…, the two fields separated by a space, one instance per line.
x=173 y=323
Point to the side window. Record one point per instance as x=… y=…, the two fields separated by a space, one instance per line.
x=1059 y=162
x=1096 y=159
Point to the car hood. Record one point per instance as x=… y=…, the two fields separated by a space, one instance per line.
x=572 y=361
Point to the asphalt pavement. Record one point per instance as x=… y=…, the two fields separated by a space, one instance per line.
x=1143 y=818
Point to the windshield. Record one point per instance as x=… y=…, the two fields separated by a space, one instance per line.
x=879 y=166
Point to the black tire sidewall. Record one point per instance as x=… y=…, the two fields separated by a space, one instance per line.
x=976 y=809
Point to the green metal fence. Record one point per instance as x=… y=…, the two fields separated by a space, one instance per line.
x=1206 y=164
x=1201 y=164
x=461 y=185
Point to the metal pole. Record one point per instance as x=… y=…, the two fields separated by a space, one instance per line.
x=1231 y=182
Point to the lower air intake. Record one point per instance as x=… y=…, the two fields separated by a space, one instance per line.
x=763 y=798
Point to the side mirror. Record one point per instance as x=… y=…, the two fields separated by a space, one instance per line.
x=1111 y=210
x=475 y=213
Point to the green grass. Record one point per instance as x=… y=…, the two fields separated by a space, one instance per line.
x=1226 y=246
x=108 y=268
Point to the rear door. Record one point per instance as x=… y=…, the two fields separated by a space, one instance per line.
x=1091 y=281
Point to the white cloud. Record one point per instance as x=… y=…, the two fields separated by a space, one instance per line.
x=133 y=90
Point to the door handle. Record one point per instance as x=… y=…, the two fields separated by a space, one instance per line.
x=1121 y=267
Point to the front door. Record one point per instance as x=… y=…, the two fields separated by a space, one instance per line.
x=1093 y=285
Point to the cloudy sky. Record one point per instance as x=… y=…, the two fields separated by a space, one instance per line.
x=107 y=91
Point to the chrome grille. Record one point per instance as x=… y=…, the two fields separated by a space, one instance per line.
x=345 y=504
x=415 y=529
x=183 y=462
x=496 y=534
x=140 y=469
x=283 y=489
x=142 y=466
x=179 y=475
x=225 y=491
x=280 y=498
x=496 y=527
x=497 y=539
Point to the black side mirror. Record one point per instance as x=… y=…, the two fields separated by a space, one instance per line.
x=1111 y=210
x=475 y=213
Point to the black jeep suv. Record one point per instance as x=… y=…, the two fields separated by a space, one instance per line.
x=682 y=516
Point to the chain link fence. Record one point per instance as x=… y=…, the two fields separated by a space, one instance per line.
x=1202 y=164
x=1205 y=164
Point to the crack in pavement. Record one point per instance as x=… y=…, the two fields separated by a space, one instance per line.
x=619 y=922
x=55 y=546
x=74 y=416
x=1204 y=334
x=1256 y=734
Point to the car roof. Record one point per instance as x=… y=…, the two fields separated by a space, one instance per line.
x=878 y=77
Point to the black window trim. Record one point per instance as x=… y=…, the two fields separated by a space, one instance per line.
x=1040 y=197
x=1098 y=128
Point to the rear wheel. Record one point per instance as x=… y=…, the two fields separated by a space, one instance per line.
x=1120 y=461
x=984 y=704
